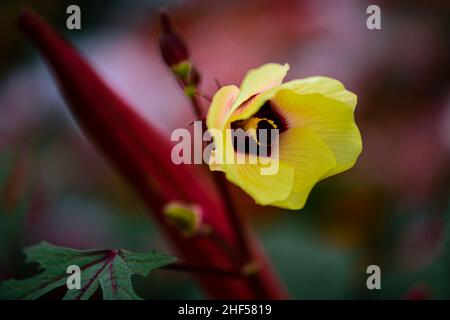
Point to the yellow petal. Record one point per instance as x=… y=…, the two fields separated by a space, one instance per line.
x=221 y=106
x=331 y=119
x=311 y=159
x=329 y=87
x=264 y=189
x=257 y=81
x=216 y=119
x=326 y=86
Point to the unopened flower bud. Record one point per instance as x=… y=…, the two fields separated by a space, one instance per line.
x=250 y=268
x=173 y=49
x=187 y=218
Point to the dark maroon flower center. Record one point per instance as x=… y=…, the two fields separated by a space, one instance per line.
x=255 y=135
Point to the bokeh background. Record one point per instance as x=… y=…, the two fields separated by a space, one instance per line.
x=392 y=209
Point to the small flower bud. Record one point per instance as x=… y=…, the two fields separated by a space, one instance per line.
x=173 y=49
x=185 y=217
x=250 y=268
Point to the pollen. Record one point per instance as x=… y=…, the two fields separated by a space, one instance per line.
x=256 y=127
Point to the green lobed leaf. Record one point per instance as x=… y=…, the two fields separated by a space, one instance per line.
x=112 y=269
